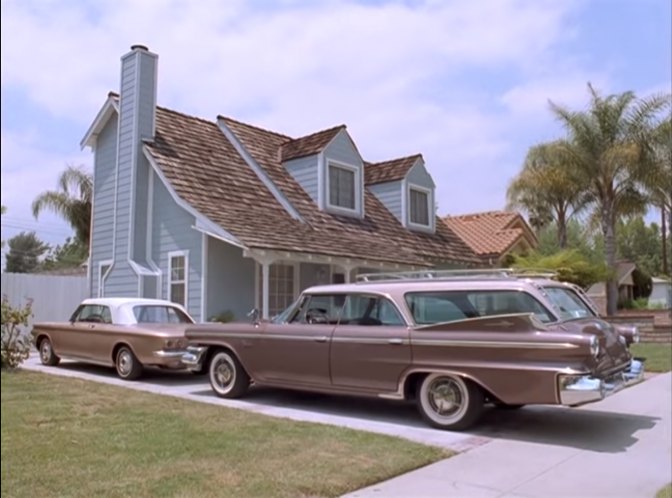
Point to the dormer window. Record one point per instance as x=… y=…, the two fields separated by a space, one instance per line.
x=419 y=206
x=343 y=187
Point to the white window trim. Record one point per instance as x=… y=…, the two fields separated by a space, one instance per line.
x=171 y=255
x=102 y=278
x=358 y=188
x=430 y=200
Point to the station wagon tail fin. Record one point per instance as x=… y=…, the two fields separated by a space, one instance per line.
x=517 y=322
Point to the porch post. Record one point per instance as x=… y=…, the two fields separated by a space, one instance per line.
x=265 y=270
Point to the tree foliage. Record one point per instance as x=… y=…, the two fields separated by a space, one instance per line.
x=72 y=201
x=546 y=188
x=570 y=264
x=25 y=250
x=15 y=342
x=607 y=152
x=69 y=255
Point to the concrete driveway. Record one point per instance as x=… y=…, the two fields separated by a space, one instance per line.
x=619 y=447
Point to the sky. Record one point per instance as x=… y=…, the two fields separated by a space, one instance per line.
x=465 y=83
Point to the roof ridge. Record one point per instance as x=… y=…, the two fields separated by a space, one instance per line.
x=227 y=118
x=173 y=111
x=403 y=158
x=481 y=214
x=332 y=128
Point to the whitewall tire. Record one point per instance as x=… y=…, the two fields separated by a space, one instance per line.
x=228 y=378
x=449 y=402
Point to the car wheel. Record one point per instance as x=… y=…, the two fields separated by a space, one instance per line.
x=227 y=376
x=47 y=355
x=449 y=402
x=128 y=366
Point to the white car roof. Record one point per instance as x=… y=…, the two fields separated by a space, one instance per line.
x=121 y=301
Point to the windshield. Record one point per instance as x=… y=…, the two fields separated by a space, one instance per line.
x=568 y=303
x=160 y=314
x=285 y=316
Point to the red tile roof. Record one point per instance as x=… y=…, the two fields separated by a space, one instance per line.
x=206 y=171
x=491 y=233
x=389 y=171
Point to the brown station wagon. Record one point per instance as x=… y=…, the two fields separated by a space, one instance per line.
x=452 y=342
x=127 y=333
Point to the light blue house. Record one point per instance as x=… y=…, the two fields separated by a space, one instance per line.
x=224 y=216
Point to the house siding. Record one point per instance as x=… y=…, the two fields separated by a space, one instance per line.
x=127 y=143
x=230 y=280
x=389 y=193
x=103 y=203
x=418 y=175
x=304 y=171
x=172 y=231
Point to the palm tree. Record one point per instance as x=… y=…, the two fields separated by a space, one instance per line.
x=547 y=188
x=659 y=182
x=609 y=147
x=72 y=201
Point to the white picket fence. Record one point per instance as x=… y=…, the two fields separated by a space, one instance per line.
x=54 y=297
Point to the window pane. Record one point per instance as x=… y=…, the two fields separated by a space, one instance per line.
x=437 y=307
x=369 y=310
x=341 y=187
x=177 y=293
x=419 y=207
x=177 y=268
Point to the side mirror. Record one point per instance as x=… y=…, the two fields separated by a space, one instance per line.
x=254 y=315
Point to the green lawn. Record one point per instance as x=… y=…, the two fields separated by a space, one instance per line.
x=658 y=356
x=69 y=438
x=665 y=492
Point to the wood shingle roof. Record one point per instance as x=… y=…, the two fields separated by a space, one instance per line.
x=205 y=170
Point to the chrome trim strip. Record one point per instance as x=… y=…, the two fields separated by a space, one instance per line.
x=170 y=355
x=495 y=344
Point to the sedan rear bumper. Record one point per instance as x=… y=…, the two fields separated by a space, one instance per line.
x=578 y=390
x=170 y=358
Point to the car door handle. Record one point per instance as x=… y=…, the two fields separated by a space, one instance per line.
x=395 y=342
x=322 y=338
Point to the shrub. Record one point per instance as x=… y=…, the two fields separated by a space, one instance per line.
x=223 y=317
x=15 y=342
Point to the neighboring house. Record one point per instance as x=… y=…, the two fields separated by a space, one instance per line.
x=493 y=235
x=626 y=286
x=224 y=216
x=661 y=293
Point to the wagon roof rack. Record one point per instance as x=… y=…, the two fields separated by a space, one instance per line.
x=489 y=273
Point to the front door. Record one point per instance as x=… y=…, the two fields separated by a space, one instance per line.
x=370 y=347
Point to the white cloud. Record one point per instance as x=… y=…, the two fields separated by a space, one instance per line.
x=28 y=170
x=393 y=72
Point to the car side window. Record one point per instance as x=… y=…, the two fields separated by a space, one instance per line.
x=320 y=309
x=370 y=310
x=93 y=313
x=450 y=306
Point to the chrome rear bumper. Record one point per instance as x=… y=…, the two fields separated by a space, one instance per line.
x=578 y=390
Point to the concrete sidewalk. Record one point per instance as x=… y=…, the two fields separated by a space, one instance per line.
x=622 y=448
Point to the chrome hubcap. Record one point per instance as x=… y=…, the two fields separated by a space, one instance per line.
x=45 y=351
x=224 y=374
x=445 y=397
x=124 y=362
